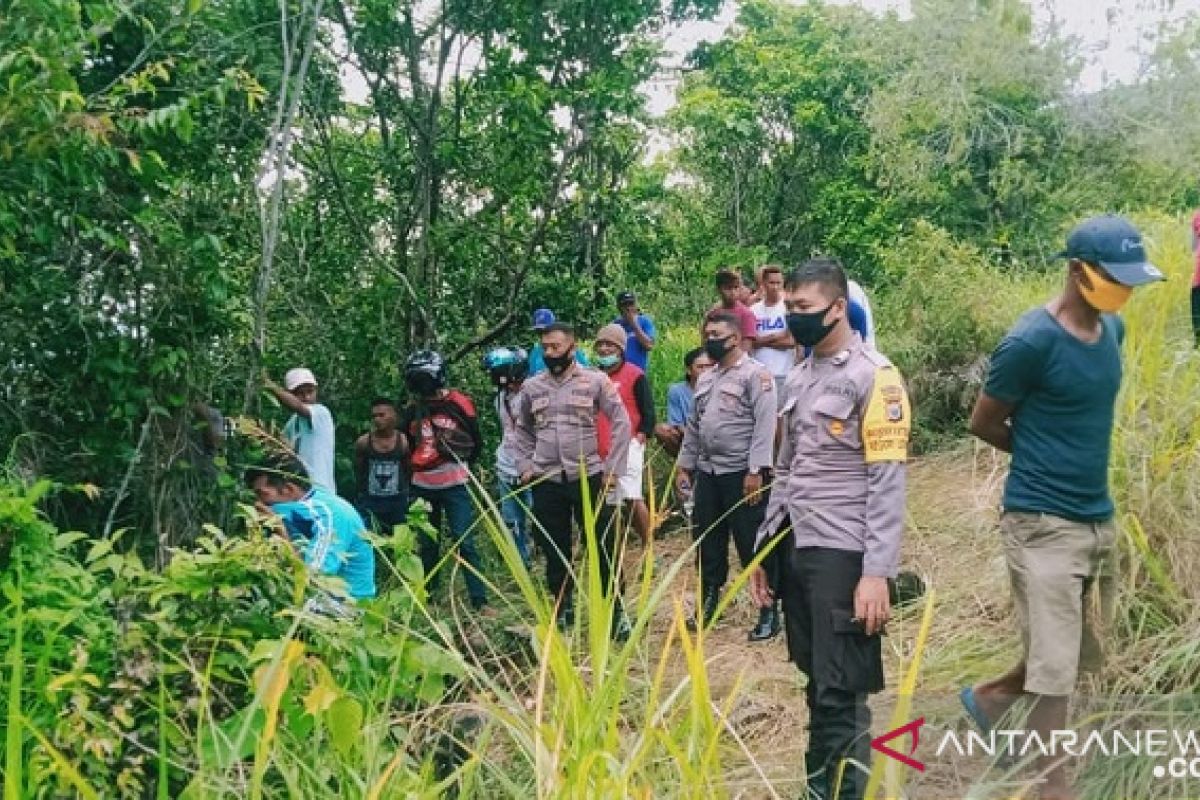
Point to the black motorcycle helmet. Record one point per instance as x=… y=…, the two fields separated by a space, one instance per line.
x=425 y=372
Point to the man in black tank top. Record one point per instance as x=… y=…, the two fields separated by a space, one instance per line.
x=379 y=458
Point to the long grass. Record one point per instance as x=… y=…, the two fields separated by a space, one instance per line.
x=1155 y=653
x=539 y=712
x=597 y=718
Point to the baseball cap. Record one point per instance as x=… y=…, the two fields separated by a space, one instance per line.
x=298 y=377
x=614 y=333
x=626 y=297
x=543 y=318
x=1115 y=244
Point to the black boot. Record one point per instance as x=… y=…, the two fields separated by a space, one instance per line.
x=707 y=612
x=768 y=624
x=621 y=627
x=566 y=618
x=816 y=783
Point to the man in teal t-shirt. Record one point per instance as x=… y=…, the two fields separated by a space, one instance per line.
x=328 y=532
x=1049 y=400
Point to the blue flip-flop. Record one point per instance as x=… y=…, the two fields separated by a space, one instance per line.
x=967 y=697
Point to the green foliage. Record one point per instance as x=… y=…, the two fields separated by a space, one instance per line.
x=774 y=133
x=941 y=307
x=825 y=128
x=215 y=654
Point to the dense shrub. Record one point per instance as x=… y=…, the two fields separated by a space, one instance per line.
x=941 y=306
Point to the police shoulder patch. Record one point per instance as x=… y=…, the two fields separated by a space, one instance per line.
x=766 y=381
x=887 y=421
x=875 y=357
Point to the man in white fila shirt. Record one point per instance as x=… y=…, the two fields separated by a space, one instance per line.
x=773 y=347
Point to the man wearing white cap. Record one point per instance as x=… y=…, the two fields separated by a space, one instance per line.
x=310 y=429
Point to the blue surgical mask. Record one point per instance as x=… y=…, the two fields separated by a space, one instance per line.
x=609 y=361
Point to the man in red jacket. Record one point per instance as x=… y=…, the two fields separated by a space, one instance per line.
x=634 y=389
x=441 y=431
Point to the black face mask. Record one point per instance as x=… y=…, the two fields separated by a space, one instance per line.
x=558 y=364
x=422 y=384
x=716 y=348
x=810 y=329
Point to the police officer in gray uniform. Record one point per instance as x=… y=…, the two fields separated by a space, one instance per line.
x=727 y=448
x=554 y=436
x=836 y=516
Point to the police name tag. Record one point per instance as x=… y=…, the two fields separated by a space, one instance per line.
x=887 y=421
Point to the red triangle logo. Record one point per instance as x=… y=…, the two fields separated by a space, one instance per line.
x=914 y=729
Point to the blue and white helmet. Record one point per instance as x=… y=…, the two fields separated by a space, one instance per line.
x=506 y=365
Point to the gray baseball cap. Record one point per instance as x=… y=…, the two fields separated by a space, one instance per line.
x=1115 y=244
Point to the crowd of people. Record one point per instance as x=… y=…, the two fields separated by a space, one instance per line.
x=789 y=436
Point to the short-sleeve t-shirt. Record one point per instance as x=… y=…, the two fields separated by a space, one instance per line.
x=329 y=534
x=634 y=352
x=1064 y=391
x=748 y=323
x=770 y=320
x=1196 y=248
x=680 y=399
x=312 y=439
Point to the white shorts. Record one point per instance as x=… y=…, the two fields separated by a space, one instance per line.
x=629 y=487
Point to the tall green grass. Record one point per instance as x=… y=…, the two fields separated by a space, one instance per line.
x=434 y=700
x=1155 y=652
x=595 y=718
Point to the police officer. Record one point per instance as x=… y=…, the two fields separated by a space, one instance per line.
x=556 y=449
x=837 y=511
x=727 y=449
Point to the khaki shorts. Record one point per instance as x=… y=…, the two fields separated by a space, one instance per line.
x=1054 y=564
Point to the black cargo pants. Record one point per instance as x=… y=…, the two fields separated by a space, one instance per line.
x=721 y=512
x=843 y=665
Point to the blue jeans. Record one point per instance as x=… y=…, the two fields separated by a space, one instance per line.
x=515 y=503
x=453 y=502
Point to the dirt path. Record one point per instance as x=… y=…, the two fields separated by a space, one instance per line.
x=952 y=541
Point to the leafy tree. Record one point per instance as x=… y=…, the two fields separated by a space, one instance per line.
x=773 y=131
x=126 y=129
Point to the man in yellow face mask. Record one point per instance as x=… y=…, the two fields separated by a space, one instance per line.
x=1049 y=400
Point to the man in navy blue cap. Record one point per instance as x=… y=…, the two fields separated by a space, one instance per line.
x=1049 y=400
x=543 y=318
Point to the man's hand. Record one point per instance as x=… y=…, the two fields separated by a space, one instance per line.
x=526 y=477
x=990 y=422
x=683 y=482
x=760 y=590
x=270 y=520
x=752 y=488
x=871 y=603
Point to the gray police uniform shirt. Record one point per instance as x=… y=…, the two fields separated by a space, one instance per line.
x=840 y=471
x=732 y=424
x=556 y=425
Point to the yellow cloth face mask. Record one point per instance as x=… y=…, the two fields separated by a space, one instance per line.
x=1105 y=295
